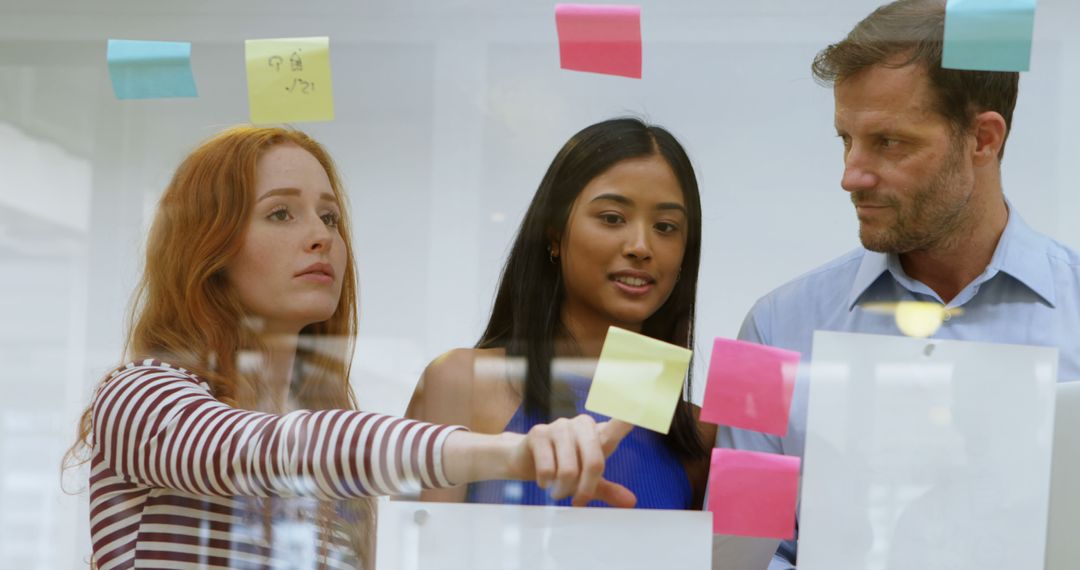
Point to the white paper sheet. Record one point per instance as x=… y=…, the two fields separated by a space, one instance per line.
x=1062 y=546
x=453 y=536
x=926 y=454
x=742 y=553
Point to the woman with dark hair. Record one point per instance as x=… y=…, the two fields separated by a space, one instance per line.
x=233 y=430
x=611 y=238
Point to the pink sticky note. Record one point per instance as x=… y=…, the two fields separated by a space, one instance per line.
x=600 y=39
x=749 y=386
x=753 y=494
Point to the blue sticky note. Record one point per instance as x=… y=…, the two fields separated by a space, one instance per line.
x=150 y=70
x=988 y=35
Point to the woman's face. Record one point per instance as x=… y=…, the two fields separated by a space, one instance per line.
x=289 y=272
x=624 y=243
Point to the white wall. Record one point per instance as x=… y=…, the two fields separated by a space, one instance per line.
x=448 y=113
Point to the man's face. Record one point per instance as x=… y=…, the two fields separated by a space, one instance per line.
x=910 y=177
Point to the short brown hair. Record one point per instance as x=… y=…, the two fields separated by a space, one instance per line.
x=915 y=29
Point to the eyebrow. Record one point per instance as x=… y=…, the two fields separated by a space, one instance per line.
x=885 y=131
x=619 y=198
x=325 y=196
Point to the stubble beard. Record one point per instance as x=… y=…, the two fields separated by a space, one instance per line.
x=933 y=218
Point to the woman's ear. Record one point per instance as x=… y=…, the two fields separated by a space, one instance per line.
x=553 y=252
x=554 y=244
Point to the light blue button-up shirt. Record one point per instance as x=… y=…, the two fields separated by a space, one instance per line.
x=1028 y=294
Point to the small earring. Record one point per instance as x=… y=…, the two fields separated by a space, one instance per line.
x=551 y=255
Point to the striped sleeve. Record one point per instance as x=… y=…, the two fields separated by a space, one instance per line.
x=161 y=427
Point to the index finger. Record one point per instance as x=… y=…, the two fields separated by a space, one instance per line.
x=611 y=433
x=591 y=455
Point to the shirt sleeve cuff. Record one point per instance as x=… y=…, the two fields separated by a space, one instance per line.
x=437 y=455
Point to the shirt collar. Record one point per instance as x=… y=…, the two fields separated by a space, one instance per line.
x=871 y=267
x=1022 y=253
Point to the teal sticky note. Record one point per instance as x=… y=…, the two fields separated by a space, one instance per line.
x=988 y=35
x=150 y=70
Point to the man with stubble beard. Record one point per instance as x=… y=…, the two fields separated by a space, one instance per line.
x=922 y=149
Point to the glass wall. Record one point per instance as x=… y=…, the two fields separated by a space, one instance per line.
x=447 y=114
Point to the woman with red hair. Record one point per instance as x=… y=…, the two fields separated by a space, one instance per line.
x=231 y=438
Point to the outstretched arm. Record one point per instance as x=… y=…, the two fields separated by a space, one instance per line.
x=158 y=426
x=161 y=427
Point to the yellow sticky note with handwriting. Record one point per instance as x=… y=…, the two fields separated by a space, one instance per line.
x=289 y=80
x=638 y=379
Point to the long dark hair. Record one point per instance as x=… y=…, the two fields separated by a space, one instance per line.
x=525 y=319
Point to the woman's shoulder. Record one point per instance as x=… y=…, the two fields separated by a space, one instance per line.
x=132 y=382
x=463 y=367
x=465 y=386
x=151 y=365
x=150 y=368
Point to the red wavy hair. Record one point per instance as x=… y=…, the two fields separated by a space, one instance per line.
x=185 y=313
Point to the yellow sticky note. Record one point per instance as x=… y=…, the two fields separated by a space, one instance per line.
x=638 y=379
x=289 y=80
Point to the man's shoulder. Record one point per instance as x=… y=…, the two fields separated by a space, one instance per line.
x=1062 y=261
x=1062 y=255
x=1031 y=241
x=817 y=299
x=829 y=280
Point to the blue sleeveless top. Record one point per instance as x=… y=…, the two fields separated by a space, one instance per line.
x=641 y=463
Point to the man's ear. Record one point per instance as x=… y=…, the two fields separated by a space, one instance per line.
x=990 y=132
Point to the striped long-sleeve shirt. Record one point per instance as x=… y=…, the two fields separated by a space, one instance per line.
x=174 y=470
